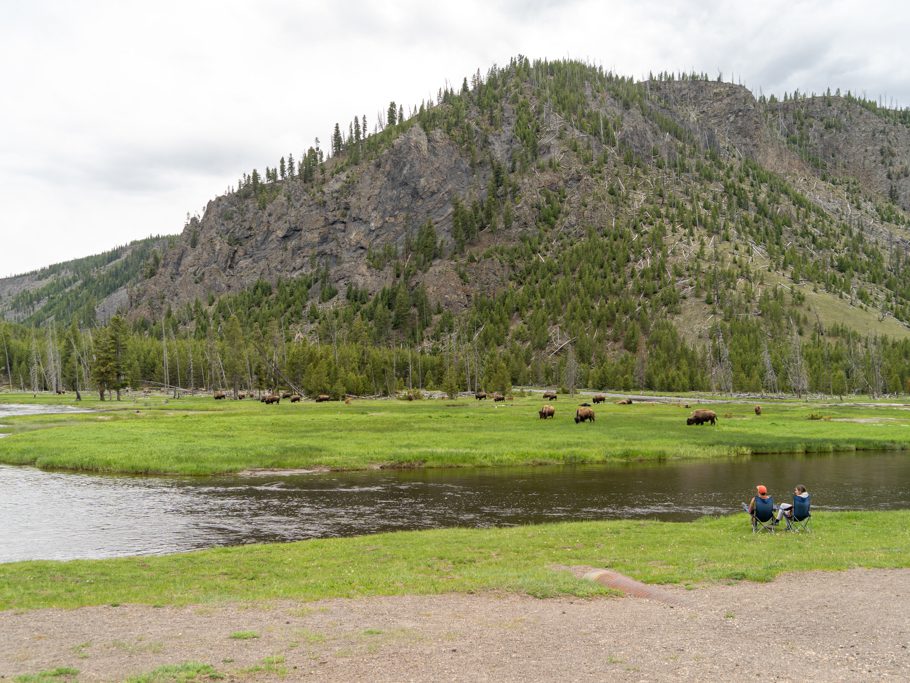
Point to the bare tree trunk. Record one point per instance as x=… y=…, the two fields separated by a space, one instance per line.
x=167 y=374
x=192 y=377
x=9 y=374
x=177 y=358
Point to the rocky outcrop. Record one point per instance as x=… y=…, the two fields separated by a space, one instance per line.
x=306 y=229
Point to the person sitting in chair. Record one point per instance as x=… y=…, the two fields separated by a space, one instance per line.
x=761 y=508
x=799 y=508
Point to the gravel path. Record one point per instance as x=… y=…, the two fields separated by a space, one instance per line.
x=842 y=626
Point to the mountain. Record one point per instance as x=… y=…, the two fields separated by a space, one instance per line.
x=810 y=193
x=88 y=289
x=562 y=214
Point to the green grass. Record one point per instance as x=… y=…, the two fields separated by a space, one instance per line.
x=516 y=559
x=179 y=673
x=200 y=436
x=244 y=635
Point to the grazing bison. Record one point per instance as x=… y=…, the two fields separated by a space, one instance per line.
x=481 y=396
x=219 y=396
x=322 y=398
x=295 y=399
x=547 y=411
x=758 y=410
x=549 y=395
x=599 y=398
x=286 y=394
x=497 y=397
x=584 y=415
x=700 y=417
x=271 y=398
x=624 y=402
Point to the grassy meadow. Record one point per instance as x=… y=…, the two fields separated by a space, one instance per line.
x=198 y=435
x=524 y=559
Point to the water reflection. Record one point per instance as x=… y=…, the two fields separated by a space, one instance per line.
x=61 y=516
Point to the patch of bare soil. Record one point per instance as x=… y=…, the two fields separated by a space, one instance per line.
x=840 y=626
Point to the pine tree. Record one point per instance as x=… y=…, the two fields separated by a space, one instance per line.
x=392 y=113
x=337 y=141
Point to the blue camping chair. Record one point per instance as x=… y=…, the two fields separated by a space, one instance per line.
x=763 y=515
x=799 y=521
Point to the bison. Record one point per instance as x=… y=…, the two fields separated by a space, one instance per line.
x=295 y=399
x=599 y=398
x=624 y=402
x=322 y=398
x=700 y=417
x=219 y=396
x=549 y=395
x=271 y=398
x=497 y=397
x=758 y=410
x=481 y=396
x=584 y=415
x=547 y=411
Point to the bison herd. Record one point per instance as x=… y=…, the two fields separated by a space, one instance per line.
x=584 y=412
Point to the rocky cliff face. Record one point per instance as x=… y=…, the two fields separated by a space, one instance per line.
x=305 y=229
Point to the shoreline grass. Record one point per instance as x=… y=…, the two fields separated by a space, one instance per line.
x=199 y=436
x=513 y=559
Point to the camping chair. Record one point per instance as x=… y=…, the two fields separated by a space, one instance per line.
x=801 y=517
x=763 y=515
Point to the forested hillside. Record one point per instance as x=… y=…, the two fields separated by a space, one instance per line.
x=89 y=289
x=548 y=223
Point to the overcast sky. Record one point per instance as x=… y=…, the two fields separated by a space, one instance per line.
x=119 y=117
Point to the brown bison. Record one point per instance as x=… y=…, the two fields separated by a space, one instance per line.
x=322 y=398
x=271 y=398
x=295 y=399
x=497 y=397
x=286 y=394
x=481 y=396
x=700 y=417
x=599 y=398
x=584 y=415
x=624 y=402
x=758 y=410
x=347 y=401
x=219 y=396
x=547 y=411
x=549 y=395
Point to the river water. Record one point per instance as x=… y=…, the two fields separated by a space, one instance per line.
x=50 y=515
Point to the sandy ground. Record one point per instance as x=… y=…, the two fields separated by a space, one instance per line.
x=845 y=626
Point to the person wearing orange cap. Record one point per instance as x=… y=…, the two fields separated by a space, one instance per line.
x=762 y=492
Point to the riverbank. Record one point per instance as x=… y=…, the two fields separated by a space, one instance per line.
x=520 y=560
x=852 y=626
x=200 y=436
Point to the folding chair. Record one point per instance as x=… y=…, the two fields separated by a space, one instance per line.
x=799 y=521
x=763 y=515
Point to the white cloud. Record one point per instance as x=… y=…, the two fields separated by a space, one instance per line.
x=120 y=117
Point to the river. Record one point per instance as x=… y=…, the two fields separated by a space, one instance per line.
x=51 y=515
